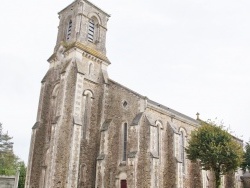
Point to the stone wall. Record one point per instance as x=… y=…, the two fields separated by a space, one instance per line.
x=42 y=125
x=9 y=181
x=141 y=165
x=93 y=132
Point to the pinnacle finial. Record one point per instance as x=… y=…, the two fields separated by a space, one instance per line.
x=198 y=115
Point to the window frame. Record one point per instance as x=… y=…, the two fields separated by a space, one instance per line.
x=91 y=30
x=182 y=152
x=124 y=141
x=69 y=29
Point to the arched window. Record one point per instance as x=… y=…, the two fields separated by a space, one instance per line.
x=91 y=30
x=155 y=139
x=54 y=102
x=182 y=149
x=53 y=110
x=69 y=29
x=124 y=141
x=87 y=96
x=90 y=68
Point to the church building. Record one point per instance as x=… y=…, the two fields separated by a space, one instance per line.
x=92 y=132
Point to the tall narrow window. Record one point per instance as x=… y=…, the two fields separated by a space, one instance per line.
x=91 y=30
x=182 y=150
x=125 y=140
x=155 y=139
x=87 y=113
x=53 y=110
x=157 y=149
x=69 y=30
x=90 y=68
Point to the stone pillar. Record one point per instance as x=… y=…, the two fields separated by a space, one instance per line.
x=76 y=135
x=246 y=179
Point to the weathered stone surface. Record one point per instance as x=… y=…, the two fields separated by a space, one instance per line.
x=9 y=181
x=94 y=132
x=246 y=179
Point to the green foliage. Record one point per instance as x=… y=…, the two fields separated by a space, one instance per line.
x=22 y=175
x=5 y=141
x=9 y=162
x=246 y=163
x=215 y=148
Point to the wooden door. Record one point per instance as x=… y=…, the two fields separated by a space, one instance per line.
x=123 y=183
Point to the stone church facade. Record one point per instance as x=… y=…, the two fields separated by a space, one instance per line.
x=92 y=132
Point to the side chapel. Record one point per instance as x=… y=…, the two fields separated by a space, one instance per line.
x=92 y=132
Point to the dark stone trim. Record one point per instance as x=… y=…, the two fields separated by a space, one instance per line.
x=77 y=120
x=137 y=119
x=150 y=122
x=173 y=127
x=132 y=154
x=55 y=120
x=106 y=125
x=36 y=125
x=100 y=157
x=154 y=155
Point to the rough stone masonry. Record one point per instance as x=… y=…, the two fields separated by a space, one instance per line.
x=92 y=132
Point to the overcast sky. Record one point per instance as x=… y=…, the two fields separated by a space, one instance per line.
x=190 y=55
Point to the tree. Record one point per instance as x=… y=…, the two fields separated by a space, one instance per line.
x=246 y=163
x=9 y=162
x=215 y=149
x=22 y=175
x=5 y=141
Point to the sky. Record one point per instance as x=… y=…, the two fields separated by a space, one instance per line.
x=190 y=55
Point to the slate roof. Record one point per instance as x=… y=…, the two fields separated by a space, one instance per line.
x=174 y=112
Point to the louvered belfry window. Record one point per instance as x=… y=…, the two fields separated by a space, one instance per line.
x=91 y=31
x=69 y=30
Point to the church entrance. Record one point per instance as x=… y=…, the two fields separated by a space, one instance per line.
x=123 y=183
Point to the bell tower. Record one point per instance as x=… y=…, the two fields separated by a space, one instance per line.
x=85 y=23
x=66 y=136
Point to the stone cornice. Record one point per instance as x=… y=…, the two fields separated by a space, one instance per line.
x=172 y=114
x=66 y=7
x=91 y=81
x=126 y=88
x=93 y=5
x=86 y=1
x=52 y=57
x=88 y=50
